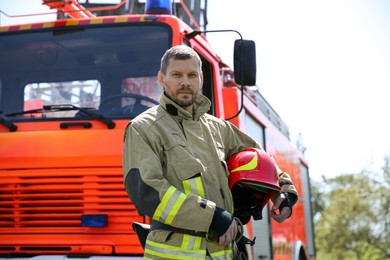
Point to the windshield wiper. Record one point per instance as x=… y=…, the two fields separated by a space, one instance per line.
x=110 y=123
x=32 y=111
x=8 y=123
x=52 y=108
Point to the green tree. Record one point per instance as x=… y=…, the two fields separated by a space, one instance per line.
x=353 y=216
x=317 y=199
x=383 y=240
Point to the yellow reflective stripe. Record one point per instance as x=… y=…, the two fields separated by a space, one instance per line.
x=48 y=25
x=191 y=242
x=72 y=22
x=169 y=206
x=198 y=243
x=96 y=21
x=171 y=252
x=249 y=166
x=187 y=187
x=157 y=214
x=120 y=19
x=199 y=186
x=194 y=186
x=177 y=205
x=223 y=255
x=25 y=27
x=186 y=241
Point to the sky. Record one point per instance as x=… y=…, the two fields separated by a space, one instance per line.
x=323 y=65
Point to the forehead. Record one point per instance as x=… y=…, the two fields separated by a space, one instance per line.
x=190 y=64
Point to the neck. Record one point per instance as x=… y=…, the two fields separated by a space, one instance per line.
x=189 y=109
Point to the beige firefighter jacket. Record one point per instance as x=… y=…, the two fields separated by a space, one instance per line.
x=175 y=173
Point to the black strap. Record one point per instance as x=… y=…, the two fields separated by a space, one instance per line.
x=158 y=225
x=240 y=236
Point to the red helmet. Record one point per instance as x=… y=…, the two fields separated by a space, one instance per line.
x=253 y=180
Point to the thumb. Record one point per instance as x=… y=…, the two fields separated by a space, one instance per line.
x=276 y=205
x=278 y=201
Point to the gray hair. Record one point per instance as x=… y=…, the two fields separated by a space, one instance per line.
x=178 y=52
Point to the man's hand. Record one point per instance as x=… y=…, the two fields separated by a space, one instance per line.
x=284 y=213
x=229 y=235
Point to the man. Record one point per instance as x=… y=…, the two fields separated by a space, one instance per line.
x=175 y=171
x=130 y=86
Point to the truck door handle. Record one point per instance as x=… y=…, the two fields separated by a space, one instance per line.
x=71 y=124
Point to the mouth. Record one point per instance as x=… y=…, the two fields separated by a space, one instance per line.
x=185 y=92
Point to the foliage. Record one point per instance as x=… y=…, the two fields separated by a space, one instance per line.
x=317 y=198
x=352 y=215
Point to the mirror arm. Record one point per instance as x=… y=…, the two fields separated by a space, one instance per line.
x=192 y=34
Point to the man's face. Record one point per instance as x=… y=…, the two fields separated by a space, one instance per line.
x=182 y=81
x=129 y=85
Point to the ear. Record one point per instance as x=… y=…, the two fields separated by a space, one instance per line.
x=160 y=79
x=201 y=79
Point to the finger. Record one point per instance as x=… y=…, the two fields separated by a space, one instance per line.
x=226 y=240
x=285 y=213
x=222 y=240
x=234 y=230
x=278 y=201
x=282 y=216
x=275 y=216
x=229 y=235
x=234 y=235
x=276 y=206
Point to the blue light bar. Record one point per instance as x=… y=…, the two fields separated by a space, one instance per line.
x=158 y=7
x=94 y=220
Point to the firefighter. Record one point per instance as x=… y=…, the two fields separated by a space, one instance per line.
x=175 y=169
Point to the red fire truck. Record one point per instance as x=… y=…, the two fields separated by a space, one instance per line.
x=69 y=87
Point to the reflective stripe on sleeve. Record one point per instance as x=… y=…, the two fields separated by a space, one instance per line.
x=194 y=186
x=170 y=204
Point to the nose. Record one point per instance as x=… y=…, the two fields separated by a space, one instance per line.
x=185 y=81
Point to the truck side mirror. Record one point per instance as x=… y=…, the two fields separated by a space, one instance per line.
x=245 y=62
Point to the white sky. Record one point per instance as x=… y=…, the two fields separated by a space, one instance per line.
x=323 y=65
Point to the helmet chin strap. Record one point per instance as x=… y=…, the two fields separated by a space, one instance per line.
x=240 y=235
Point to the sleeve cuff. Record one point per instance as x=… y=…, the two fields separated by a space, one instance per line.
x=220 y=223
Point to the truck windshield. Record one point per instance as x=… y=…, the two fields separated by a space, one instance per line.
x=108 y=68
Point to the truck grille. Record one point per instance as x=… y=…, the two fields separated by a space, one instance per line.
x=48 y=200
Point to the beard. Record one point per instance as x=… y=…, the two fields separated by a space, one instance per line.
x=184 y=99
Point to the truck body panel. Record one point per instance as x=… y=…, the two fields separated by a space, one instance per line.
x=68 y=89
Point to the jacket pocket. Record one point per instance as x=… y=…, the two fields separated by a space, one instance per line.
x=188 y=168
x=189 y=171
x=175 y=148
x=160 y=236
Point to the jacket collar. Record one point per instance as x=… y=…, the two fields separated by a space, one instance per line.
x=201 y=105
